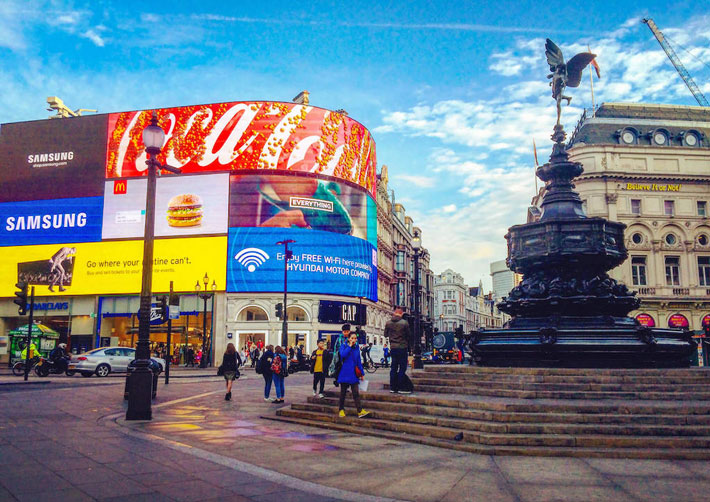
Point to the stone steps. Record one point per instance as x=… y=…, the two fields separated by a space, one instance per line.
x=510 y=444
x=535 y=411
x=505 y=391
x=476 y=412
x=467 y=424
x=567 y=386
x=351 y=425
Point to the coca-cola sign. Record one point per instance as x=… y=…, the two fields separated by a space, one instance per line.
x=247 y=136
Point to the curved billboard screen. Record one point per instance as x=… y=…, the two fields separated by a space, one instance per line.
x=247 y=136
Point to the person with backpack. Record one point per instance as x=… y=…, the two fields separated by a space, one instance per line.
x=230 y=368
x=350 y=375
x=397 y=332
x=320 y=362
x=279 y=370
x=336 y=363
x=263 y=367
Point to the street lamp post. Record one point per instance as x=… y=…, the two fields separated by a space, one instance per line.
x=140 y=380
x=287 y=256
x=417 y=245
x=205 y=296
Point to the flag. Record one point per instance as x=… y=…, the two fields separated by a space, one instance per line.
x=535 y=152
x=595 y=65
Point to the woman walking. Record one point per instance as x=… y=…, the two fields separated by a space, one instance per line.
x=264 y=364
x=230 y=364
x=279 y=367
x=350 y=374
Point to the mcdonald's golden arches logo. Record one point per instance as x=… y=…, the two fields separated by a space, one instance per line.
x=119 y=187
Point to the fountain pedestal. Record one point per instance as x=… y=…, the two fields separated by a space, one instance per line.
x=567 y=311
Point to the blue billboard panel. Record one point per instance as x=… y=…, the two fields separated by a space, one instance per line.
x=323 y=262
x=51 y=221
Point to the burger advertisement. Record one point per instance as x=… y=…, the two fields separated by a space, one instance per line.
x=184 y=205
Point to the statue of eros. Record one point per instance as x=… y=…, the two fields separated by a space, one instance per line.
x=564 y=74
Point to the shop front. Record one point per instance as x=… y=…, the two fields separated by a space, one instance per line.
x=118 y=327
x=72 y=318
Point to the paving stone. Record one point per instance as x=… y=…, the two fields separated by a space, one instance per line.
x=65 y=495
x=189 y=490
x=117 y=487
x=558 y=492
x=548 y=470
x=637 y=467
x=138 y=466
x=87 y=475
x=666 y=490
x=480 y=486
x=142 y=497
x=37 y=482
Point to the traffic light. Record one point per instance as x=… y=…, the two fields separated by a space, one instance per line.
x=21 y=300
x=280 y=310
x=163 y=308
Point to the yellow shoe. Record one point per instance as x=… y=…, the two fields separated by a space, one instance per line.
x=363 y=413
x=341 y=413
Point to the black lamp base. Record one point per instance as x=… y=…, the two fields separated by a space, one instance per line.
x=140 y=391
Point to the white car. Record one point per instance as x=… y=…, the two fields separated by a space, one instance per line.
x=105 y=360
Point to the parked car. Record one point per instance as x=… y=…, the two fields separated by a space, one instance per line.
x=106 y=360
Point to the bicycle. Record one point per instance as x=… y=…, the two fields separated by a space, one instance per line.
x=18 y=369
x=369 y=366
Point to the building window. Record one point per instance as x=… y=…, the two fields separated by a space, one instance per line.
x=672 y=271
x=671 y=239
x=638 y=270
x=668 y=207
x=400 y=294
x=660 y=137
x=703 y=240
x=635 y=206
x=702 y=208
x=637 y=238
x=704 y=270
x=252 y=314
x=399 y=265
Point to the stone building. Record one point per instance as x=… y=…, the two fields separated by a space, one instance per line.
x=648 y=166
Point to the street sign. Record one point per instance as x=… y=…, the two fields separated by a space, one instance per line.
x=174 y=311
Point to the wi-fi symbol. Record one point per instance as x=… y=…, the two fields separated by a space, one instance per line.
x=251 y=258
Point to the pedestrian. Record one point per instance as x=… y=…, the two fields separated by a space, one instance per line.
x=350 y=375
x=335 y=363
x=386 y=352
x=397 y=331
x=264 y=366
x=320 y=362
x=198 y=357
x=190 y=357
x=279 y=367
x=230 y=367
x=257 y=353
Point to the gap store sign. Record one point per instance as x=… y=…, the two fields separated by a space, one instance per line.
x=322 y=262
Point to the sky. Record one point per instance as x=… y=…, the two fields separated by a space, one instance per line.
x=453 y=92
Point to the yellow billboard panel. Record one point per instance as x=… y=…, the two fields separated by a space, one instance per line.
x=101 y=268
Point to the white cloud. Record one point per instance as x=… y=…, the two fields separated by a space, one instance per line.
x=451 y=208
x=420 y=181
x=94 y=37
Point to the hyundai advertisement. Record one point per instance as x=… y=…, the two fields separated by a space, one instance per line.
x=322 y=262
x=50 y=221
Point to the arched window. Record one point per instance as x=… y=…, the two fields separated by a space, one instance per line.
x=297 y=314
x=253 y=313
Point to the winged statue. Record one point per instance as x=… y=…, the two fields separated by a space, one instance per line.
x=563 y=74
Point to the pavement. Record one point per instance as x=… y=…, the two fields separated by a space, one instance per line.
x=67 y=440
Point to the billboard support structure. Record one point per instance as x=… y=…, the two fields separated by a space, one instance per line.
x=287 y=254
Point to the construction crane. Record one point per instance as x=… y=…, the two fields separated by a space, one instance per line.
x=676 y=62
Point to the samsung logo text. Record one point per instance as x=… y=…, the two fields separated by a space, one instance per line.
x=50 y=157
x=37 y=222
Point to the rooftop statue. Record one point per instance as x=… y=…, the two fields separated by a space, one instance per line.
x=564 y=74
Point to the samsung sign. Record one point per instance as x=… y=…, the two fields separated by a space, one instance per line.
x=54 y=221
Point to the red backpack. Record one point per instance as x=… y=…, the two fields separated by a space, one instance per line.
x=276 y=365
